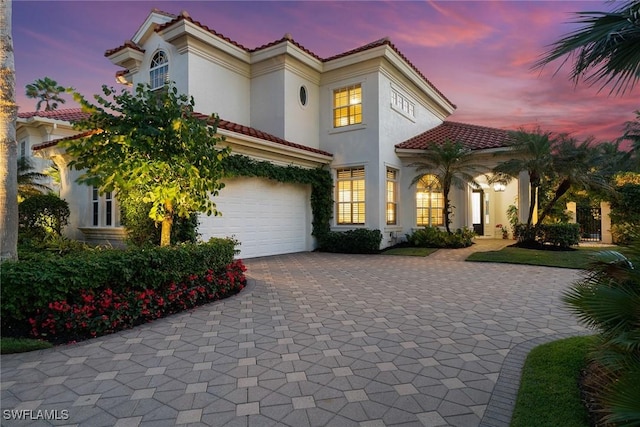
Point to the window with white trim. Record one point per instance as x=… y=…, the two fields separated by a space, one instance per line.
x=23 y=149
x=347 y=106
x=159 y=70
x=102 y=209
x=392 y=196
x=402 y=103
x=351 y=194
x=429 y=202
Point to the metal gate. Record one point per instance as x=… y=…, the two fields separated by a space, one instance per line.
x=590 y=220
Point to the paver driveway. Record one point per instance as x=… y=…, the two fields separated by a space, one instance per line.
x=316 y=339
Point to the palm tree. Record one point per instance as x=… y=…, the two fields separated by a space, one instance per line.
x=632 y=134
x=46 y=90
x=605 y=50
x=608 y=300
x=578 y=166
x=531 y=153
x=8 y=145
x=451 y=164
x=28 y=178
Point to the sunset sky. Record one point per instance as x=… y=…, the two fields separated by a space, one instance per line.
x=478 y=53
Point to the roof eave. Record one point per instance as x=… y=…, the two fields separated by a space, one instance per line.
x=128 y=58
x=176 y=32
x=287 y=48
x=310 y=158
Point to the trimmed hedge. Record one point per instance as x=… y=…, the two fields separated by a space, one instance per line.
x=433 y=237
x=31 y=285
x=561 y=235
x=358 y=241
x=93 y=313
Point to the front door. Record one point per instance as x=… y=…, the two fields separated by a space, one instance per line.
x=477 y=211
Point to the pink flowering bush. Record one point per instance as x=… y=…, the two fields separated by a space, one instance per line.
x=95 y=313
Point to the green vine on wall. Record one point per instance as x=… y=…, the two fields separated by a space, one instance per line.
x=319 y=179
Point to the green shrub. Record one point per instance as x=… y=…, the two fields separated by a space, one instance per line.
x=93 y=313
x=43 y=214
x=30 y=247
x=625 y=233
x=562 y=235
x=625 y=212
x=142 y=230
x=32 y=284
x=433 y=237
x=358 y=241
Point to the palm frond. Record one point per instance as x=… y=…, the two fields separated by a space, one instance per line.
x=604 y=50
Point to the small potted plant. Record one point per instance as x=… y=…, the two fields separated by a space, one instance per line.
x=503 y=230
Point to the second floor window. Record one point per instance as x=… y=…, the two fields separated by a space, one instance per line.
x=159 y=70
x=347 y=106
x=400 y=102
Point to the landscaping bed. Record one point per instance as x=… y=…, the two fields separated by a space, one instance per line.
x=96 y=292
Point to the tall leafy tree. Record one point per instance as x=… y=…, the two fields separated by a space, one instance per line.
x=8 y=144
x=531 y=153
x=47 y=91
x=453 y=165
x=151 y=143
x=577 y=166
x=605 y=49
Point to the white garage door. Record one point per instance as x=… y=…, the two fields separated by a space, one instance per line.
x=268 y=218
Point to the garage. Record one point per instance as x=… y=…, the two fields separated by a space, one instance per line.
x=267 y=217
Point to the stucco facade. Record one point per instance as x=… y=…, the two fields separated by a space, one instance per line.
x=281 y=103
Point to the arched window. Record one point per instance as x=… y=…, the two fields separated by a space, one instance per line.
x=159 y=71
x=429 y=202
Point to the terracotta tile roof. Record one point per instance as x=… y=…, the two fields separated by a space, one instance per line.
x=471 y=136
x=249 y=131
x=67 y=115
x=48 y=144
x=287 y=37
x=126 y=44
x=386 y=41
x=223 y=124
x=184 y=16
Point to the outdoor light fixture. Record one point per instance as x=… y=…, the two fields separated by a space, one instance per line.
x=499 y=186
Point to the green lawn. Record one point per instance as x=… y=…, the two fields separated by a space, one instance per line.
x=410 y=251
x=579 y=258
x=549 y=393
x=20 y=345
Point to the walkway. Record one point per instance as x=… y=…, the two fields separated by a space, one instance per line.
x=315 y=340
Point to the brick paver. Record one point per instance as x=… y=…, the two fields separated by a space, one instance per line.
x=315 y=339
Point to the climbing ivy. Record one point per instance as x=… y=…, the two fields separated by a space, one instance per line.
x=319 y=179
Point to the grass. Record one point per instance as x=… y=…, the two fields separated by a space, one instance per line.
x=21 y=345
x=410 y=251
x=579 y=258
x=549 y=393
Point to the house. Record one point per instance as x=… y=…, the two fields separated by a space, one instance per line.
x=365 y=114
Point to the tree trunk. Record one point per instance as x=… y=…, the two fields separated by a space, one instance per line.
x=532 y=204
x=446 y=210
x=165 y=235
x=8 y=144
x=562 y=189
